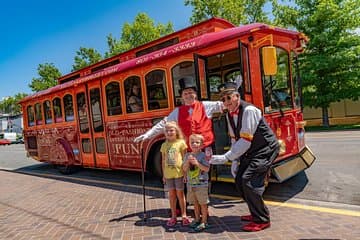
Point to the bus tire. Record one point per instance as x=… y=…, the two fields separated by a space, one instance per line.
x=64 y=157
x=156 y=166
x=65 y=169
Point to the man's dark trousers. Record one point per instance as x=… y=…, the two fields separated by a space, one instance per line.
x=250 y=182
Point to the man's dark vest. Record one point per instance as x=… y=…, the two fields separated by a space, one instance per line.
x=264 y=141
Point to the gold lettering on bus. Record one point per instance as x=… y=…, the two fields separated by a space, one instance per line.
x=126 y=148
x=185 y=46
x=166 y=52
x=96 y=75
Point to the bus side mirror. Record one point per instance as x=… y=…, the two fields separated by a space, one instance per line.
x=269 y=60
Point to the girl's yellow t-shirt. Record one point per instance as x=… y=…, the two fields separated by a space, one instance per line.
x=173 y=158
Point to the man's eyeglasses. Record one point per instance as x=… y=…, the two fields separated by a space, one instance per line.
x=228 y=97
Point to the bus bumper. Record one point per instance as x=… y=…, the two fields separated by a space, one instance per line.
x=287 y=168
x=281 y=171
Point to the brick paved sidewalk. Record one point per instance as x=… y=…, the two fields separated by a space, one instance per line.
x=41 y=208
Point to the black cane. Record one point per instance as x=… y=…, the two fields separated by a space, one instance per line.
x=143 y=179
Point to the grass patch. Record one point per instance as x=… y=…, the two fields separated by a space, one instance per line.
x=333 y=127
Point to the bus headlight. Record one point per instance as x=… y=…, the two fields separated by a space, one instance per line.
x=301 y=138
x=282 y=147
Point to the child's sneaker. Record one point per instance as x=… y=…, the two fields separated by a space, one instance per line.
x=201 y=227
x=194 y=224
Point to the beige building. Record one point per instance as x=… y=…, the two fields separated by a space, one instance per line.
x=344 y=112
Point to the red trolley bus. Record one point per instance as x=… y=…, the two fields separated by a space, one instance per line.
x=89 y=120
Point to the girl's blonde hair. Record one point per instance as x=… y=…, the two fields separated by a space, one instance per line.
x=173 y=124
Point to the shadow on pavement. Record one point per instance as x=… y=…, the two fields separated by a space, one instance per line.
x=131 y=182
x=114 y=179
x=274 y=191
x=159 y=217
x=288 y=189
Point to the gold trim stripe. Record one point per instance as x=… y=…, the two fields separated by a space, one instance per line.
x=299 y=206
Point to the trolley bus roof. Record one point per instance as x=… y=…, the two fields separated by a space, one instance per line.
x=174 y=50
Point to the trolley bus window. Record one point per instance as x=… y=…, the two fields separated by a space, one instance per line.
x=156 y=90
x=134 y=102
x=30 y=115
x=277 y=88
x=235 y=76
x=232 y=76
x=47 y=112
x=86 y=145
x=57 y=110
x=113 y=101
x=296 y=79
x=82 y=112
x=100 y=145
x=178 y=71
x=38 y=114
x=68 y=107
x=224 y=67
x=96 y=110
x=214 y=81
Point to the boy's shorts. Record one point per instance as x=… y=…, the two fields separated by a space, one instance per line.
x=174 y=183
x=197 y=194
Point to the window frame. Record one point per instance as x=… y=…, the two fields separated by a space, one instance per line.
x=160 y=102
x=117 y=108
x=277 y=98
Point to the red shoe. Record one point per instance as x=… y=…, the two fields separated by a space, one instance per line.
x=254 y=227
x=171 y=222
x=185 y=221
x=247 y=218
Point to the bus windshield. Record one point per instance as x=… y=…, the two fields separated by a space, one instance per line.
x=277 y=88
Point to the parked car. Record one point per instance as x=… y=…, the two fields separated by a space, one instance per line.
x=19 y=140
x=5 y=142
x=11 y=136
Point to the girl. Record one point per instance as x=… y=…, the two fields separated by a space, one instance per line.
x=172 y=151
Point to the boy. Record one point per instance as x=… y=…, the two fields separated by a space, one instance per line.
x=196 y=169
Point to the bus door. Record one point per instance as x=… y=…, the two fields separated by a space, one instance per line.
x=208 y=89
x=91 y=124
x=201 y=79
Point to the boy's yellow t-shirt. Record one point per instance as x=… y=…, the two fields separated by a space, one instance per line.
x=173 y=158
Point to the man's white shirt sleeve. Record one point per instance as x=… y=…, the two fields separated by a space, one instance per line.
x=250 y=121
x=159 y=127
x=212 y=107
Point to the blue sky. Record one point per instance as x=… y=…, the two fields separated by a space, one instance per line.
x=39 y=31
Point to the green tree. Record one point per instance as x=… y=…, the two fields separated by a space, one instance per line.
x=330 y=65
x=48 y=75
x=235 y=11
x=141 y=31
x=17 y=98
x=10 y=105
x=7 y=105
x=85 y=57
